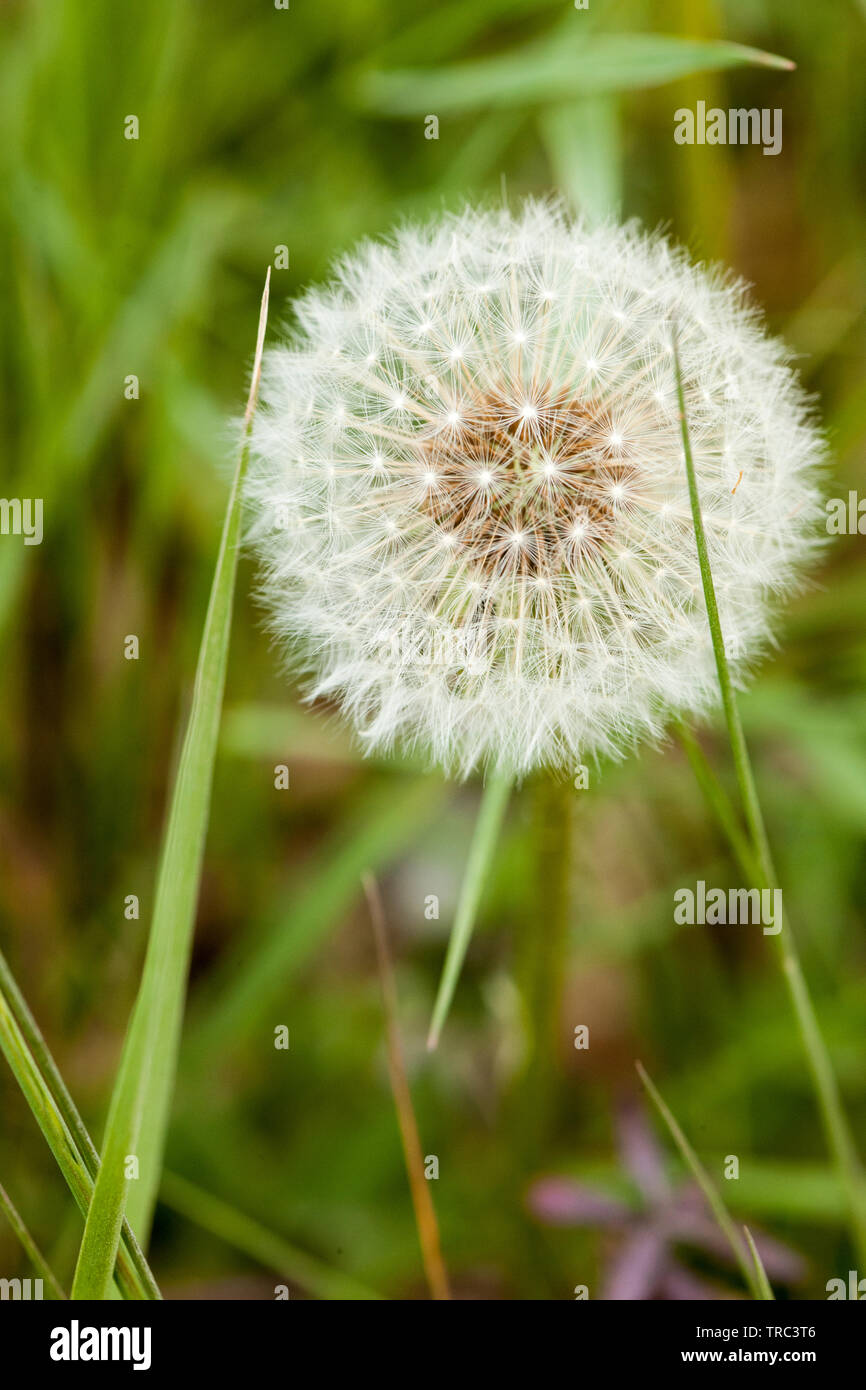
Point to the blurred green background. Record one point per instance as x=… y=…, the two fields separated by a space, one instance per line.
x=262 y=128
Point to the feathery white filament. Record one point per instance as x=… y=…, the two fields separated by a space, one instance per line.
x=468 y=491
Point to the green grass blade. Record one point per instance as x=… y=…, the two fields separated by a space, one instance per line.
x=29 y=1246
x=584 y=146
x=775 y=1189
x=705 y=1183
x=769 y=1189
x=56 y=1134
x=42 y=1065
x=138 y=1115
x=558 y=67
x=718 y=802
x=760 y=1272
x=493 y=803
x=142 y=325
x=269 y=1250
x=386 y=819
x=839 y=1137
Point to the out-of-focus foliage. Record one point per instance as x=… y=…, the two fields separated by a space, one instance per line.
x=262 y=128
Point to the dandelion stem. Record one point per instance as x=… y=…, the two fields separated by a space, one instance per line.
x=835 y=1123
x=540 y=965
x=493 y=803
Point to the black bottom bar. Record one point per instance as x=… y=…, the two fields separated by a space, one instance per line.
x=83 y=1339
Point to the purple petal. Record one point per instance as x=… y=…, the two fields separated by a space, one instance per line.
x=562 y=1202
x=680 y=1285
x=635 y=1270
x=689 y=1221
x=640 y=1153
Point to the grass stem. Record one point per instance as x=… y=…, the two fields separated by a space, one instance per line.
x=705 y=1183
x=138 y=1115
x=425 y=1212
x=269 y=1250
x=44 y=1066
x=760 y=1273
x=836 y=1127
x=28 y=1245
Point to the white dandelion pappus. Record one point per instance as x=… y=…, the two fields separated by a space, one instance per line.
x=468 y=493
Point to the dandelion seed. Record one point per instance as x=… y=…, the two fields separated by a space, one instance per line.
x=546 y=522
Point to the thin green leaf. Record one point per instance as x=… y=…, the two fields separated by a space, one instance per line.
x=839 y=1137
x=559 y=67
x=29 y=1246
x=583 y=144
x=386 y=819
x=718 y=801
x=269 y=1250
x=142 y=323
x=760 y=1272
x=779 y=1189
x=705 y=1183
x=138 y=1115
x=56 y=1093
x=55 y=1132
x=493 y=803
x=772 y=1189
x=481 y=151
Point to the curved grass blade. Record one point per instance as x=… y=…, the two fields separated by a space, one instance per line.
x=584 y=145
x=138 y=1114
x=718 y=801
x=386 y=818
x=838 y=1133
x=269 y=1250
x=493 y=803
x=57 y=1135
x=760 y=1272
x=29 y=1246
x=705 y=1183
x=558 y=67
x=132 y=1266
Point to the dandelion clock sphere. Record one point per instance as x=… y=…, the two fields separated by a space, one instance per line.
x=468 y=493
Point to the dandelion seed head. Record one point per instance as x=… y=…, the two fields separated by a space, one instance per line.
x=489 y=555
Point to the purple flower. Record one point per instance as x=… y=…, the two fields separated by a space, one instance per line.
x=643 y=1262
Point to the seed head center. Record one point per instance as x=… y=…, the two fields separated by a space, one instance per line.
x=533 y=488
